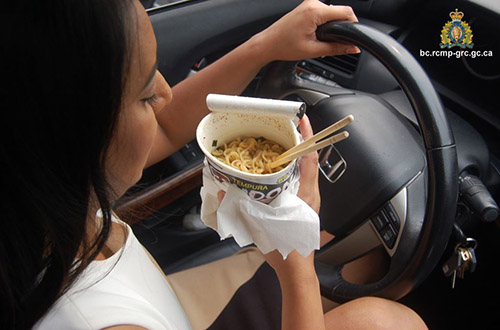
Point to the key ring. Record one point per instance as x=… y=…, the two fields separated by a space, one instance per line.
x=473 y=241
x=469 y=243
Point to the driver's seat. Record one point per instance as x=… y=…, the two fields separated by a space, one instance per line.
x=239 y=291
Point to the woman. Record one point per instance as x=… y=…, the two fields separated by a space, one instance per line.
x=85 y=110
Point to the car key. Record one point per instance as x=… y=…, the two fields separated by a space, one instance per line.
x=472 y=260
x=465 y=256
x=469 y=255
x=451 y=266
x=463 y=259
x=469 y=263
x=472 y=245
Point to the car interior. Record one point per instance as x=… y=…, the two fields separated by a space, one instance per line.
x=411 y=197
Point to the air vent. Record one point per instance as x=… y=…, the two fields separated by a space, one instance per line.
x=343 y=63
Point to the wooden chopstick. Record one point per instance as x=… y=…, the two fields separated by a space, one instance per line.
x=318 y=136
x=307 y=149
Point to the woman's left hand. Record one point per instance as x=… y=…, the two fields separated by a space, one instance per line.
x=293 y=37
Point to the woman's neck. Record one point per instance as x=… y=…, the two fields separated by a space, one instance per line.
x=117 y=235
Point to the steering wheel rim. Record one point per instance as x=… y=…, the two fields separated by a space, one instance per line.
x=440 y=153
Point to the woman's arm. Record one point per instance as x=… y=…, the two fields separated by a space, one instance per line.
x=301 y=306
x=291 y=38
x=301 y=297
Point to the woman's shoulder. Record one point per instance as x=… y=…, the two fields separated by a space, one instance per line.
x=125 y=288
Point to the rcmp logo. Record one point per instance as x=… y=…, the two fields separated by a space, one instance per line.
x=456 y=32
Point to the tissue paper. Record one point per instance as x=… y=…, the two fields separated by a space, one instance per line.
x=285 y=224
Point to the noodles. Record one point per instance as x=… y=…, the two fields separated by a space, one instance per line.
x=252 y=155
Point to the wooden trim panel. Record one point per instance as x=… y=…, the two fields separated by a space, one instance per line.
x=136 y=207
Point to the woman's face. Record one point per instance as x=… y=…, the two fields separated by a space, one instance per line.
x=146 y=92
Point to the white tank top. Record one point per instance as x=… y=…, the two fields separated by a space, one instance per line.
x=126 y=288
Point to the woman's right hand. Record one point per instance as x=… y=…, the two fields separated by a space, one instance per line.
x=309 y=187
x=295 y=264
x=301 y=298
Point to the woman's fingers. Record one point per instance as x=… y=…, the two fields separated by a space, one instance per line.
x=220 y=195
x=305 y=128
x=335 y=13
x=293 y=37
x=323 y=14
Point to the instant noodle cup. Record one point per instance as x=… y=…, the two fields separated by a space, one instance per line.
x=218 y=128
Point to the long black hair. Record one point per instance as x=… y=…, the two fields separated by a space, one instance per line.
x=62 y=67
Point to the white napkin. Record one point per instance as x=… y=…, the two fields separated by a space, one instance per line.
x=286 y=224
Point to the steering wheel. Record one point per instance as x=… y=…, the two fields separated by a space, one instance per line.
x=399 y=187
